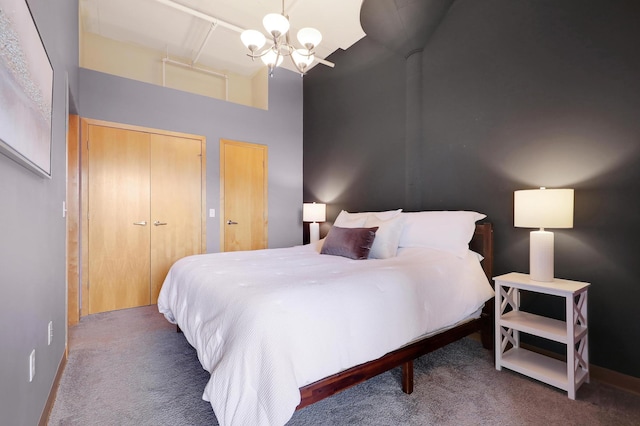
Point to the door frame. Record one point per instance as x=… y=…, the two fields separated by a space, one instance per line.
x=81 y=174
x=73 y=220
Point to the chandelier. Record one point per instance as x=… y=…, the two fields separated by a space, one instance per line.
x=277 y=25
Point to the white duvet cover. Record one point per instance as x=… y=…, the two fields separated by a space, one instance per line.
x=267 y=322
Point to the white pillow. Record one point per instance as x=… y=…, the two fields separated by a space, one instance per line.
x=345 y=215
x=345 y=221
x=444 y=230
x=385 y=244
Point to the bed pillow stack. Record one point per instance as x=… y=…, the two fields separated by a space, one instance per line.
x=450 y=231
x=389 y=224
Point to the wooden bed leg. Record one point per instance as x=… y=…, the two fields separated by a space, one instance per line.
x=407 y=377
x=487 y=325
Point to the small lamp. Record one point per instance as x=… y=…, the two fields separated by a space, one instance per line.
x=542 y=208
x=314 y=213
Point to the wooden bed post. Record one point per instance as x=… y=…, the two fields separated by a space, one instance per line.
x=482 y=243
x=407 y=377
x=487 y=326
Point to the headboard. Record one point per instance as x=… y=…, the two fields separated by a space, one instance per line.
x=482 y=242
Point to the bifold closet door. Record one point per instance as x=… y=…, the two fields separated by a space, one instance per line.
x=176 y=200
x=119 y=219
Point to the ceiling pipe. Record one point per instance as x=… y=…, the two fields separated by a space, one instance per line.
x=167 y=60
x=212 y=28
x=405 y=28
x=201 y=15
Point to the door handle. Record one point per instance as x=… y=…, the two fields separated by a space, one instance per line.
x=231 y=222
x=143 y=223
x=158 y=223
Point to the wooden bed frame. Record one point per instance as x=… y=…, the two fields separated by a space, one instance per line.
x=482 y=242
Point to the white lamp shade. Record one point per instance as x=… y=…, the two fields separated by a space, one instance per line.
x=302 y=59
x=314 y=212
x=543 y=208
x=309 y=37
x=270 y=59
x=275 y=24
x=252 y=39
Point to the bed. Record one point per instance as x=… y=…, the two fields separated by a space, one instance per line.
x=280 y=329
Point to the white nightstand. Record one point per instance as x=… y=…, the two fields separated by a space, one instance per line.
x=511 y=321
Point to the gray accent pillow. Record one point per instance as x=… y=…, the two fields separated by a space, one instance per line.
x=354 y=243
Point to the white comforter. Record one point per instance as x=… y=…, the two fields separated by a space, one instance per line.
x=264 y=323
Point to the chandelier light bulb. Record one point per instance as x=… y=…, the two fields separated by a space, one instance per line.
x=270 y=59
x=276 y=24
x=309 y=37
x=302 y=58
x=252 y=39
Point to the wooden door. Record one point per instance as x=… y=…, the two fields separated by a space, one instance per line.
x=118 y=219
x=176 y=200
x=133 y=177
x=243 y=188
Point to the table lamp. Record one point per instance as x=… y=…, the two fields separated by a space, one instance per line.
x=314 y=213
x=542 y=208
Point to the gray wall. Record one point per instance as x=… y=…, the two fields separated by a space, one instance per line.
x=516 y=95
x=32 y=239
x=111 y=98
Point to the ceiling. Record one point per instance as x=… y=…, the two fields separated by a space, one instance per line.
x=207 y=32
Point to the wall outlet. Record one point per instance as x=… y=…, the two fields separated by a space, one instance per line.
x=32 y=365
x=50 y=333
x=212 y=212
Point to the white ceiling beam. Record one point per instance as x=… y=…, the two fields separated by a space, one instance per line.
x=220 y=22
x=201 y=15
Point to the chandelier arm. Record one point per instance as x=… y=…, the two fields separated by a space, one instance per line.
x=276 y=48
x=258 y=55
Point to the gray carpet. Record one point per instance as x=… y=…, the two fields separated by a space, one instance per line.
x=130 y=367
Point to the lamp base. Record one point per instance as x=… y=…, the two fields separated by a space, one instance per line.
x=541 y=255
x=314 y=232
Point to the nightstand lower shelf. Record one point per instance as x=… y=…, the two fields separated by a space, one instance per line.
x=540 y=367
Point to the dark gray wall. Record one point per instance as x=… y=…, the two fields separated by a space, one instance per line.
x=116 y=99
x=32 y=239
x=516 y=95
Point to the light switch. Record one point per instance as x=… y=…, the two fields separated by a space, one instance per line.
x=212 y=212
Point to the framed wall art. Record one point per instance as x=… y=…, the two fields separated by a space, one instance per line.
x=26 y=89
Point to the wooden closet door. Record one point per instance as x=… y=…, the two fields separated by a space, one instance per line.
x=176 y=200
x=118 y=217
x=243 y=187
